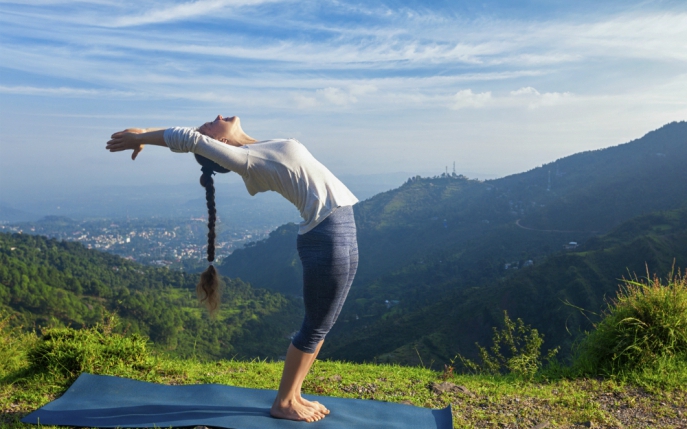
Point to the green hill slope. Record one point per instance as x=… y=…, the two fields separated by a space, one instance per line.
x=47 y=282
x=433 y=218
x=584 y=278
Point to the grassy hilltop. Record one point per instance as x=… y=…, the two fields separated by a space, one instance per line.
x=630 y=372
x=465 y=296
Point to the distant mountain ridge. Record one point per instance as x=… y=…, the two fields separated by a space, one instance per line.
x=10 y=214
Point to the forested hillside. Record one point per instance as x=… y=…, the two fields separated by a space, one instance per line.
x=46 y=282
x=548 y=296
x=436 y=238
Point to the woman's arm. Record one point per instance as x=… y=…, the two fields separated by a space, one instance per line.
x=181 y=140
x=135 y=139
x=190 y=140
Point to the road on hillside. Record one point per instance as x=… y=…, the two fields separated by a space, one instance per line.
x=517 y=222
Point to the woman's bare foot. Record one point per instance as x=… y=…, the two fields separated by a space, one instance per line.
x=314 y=405
x=295 y=410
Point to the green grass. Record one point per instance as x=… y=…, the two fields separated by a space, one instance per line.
x=496 y=401
x=630 y=372
x=643 y=330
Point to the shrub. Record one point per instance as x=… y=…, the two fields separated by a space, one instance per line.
x=522 y=355
x=69 y=352
x=645 y=324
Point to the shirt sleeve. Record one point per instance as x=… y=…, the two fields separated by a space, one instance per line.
x=234 y=158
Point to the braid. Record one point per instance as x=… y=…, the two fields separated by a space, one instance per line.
x=209 y=185
x=208 y=286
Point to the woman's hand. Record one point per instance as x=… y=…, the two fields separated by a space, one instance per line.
x=125 y=140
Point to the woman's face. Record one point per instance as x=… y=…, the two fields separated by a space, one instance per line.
x=220 y=128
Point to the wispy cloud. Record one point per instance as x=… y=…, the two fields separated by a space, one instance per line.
x=401 y=41
x=371 y=59
x=65 y=92
x=162 y=13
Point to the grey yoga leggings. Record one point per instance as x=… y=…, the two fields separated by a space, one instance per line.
x=329 y=254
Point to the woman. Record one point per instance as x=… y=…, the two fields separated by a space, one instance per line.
x=326 y=242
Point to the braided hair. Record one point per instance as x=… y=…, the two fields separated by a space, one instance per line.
x=208 y=287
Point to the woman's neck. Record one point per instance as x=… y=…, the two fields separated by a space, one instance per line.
x=236 y=138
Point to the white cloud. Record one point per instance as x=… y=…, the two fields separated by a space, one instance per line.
x=333 y=96
x=466 y=98
x=337 y=96
x=526 y=91
x=534 y=99
x=304 y=102
x=361 y=89
x=524 y=97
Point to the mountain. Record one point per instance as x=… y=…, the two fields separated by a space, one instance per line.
x=433 y=238
x=548 y=295
x=587 y=194
x=45 y=282
x=10 y=214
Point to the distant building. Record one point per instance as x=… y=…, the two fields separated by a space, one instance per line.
x=391 y=303
x=571 y=245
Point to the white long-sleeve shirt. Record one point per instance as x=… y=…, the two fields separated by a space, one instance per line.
x=284 y=166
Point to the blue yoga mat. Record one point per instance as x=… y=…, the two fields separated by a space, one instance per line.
x=106 y=402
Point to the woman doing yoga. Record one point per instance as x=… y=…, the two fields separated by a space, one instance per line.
x=326 y=243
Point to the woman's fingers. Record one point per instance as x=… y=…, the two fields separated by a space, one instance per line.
x=115 y=145
x=127 y=131
x=136 y=152
x=124 y=140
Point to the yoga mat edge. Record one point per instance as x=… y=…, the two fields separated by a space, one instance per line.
x=109 y=402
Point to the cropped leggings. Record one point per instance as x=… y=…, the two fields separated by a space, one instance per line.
x=329 y=254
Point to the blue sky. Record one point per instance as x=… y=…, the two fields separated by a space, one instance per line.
x=498 y=87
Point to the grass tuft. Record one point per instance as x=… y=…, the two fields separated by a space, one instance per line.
x=644 y=329
x=13 y=345
x=99 y=350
